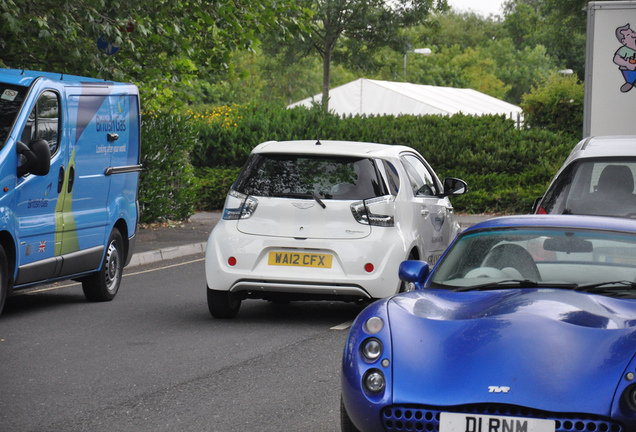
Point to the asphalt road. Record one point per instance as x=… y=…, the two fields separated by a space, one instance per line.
x=155 y=360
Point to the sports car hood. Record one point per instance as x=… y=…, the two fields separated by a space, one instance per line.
x=556 y=350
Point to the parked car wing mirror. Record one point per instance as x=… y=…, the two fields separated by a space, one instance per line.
x=36 y=157
x=414 y=271
x=454 y=186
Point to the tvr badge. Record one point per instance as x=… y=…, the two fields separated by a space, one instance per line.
x=498 y=389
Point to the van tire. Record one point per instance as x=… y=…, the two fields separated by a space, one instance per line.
x=103 y=285
x=4 y=278
x=223 y=304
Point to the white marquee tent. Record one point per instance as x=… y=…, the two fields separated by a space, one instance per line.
x=372 y=97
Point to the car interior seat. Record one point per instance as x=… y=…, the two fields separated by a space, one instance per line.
x=616 y=180
x=515 y=256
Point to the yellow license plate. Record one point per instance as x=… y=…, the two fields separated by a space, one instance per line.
x=300 y=259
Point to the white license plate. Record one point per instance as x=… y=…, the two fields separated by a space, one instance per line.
x=300 y=259
x=453 y=422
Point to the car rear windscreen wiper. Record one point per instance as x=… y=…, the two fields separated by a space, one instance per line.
x=313 y=196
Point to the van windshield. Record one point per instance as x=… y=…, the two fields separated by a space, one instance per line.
x=11 y=98
x=301 y=176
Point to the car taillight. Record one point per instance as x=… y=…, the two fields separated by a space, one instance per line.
x=375 y=211
x=541 y=210
x=238 y=206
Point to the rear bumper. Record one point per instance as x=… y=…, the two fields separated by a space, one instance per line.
x=346 y=279
x=267 y=289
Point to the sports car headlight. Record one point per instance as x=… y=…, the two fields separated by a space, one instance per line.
x=630 y=397
x=371 y=349
x=374 y=381
x=373 y=325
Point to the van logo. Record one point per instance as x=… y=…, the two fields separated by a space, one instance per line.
x=303 y=205
x=498 y=389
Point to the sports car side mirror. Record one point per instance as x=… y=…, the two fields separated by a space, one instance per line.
x=454 y=186
x=414 y=271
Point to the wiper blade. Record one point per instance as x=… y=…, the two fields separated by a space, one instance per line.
x=604 y=286
x=318 y=200
x=313 y=196
x=508 y=283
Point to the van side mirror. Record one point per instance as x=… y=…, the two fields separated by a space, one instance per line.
x=36 y=158
x=454 y=186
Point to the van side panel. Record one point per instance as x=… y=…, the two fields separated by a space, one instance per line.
x=125 y=166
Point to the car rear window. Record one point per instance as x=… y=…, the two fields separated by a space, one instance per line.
x=603 y=187
x=301 y=176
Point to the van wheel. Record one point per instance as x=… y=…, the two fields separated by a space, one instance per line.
x=223 y=304
x=104 y=284
x=4 y=278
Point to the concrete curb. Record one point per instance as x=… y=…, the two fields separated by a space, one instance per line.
x=150 y=257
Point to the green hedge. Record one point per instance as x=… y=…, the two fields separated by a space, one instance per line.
x=167 y=185
x=506 y=168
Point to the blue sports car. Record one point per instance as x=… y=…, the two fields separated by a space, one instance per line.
x=527 y=323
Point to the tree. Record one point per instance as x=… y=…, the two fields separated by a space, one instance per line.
x=558 y=25
x=362 y=25
x=158 y=44
x=556 y=104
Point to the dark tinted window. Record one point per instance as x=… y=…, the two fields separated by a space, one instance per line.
x=299 y=176
x=602 y=187
x=11 y=98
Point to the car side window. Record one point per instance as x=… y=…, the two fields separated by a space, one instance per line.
x=419 y=175
x=393 y=179
x=44 y=121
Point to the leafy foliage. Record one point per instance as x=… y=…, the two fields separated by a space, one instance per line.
x=167 y=185
x=556 y=105
x=359 y=26
x=163 y=45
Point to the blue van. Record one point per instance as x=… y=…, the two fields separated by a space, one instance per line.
x=69 y=172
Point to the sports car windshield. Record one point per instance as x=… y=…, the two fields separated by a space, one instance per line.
x=593 y=261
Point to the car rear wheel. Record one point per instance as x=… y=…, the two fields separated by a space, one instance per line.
x=223 y=304
x=104 y=283
x=346 y=425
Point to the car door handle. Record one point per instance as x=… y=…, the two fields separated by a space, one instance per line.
x=424 y=212
x=60 y=180
x=71 y=178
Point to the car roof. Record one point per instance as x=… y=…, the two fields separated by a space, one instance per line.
x=601 y=223
x=338 y=148
x=605 y=146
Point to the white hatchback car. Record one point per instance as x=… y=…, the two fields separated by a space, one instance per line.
x=330 y=220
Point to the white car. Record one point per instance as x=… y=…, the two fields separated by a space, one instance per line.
x=330 y=220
